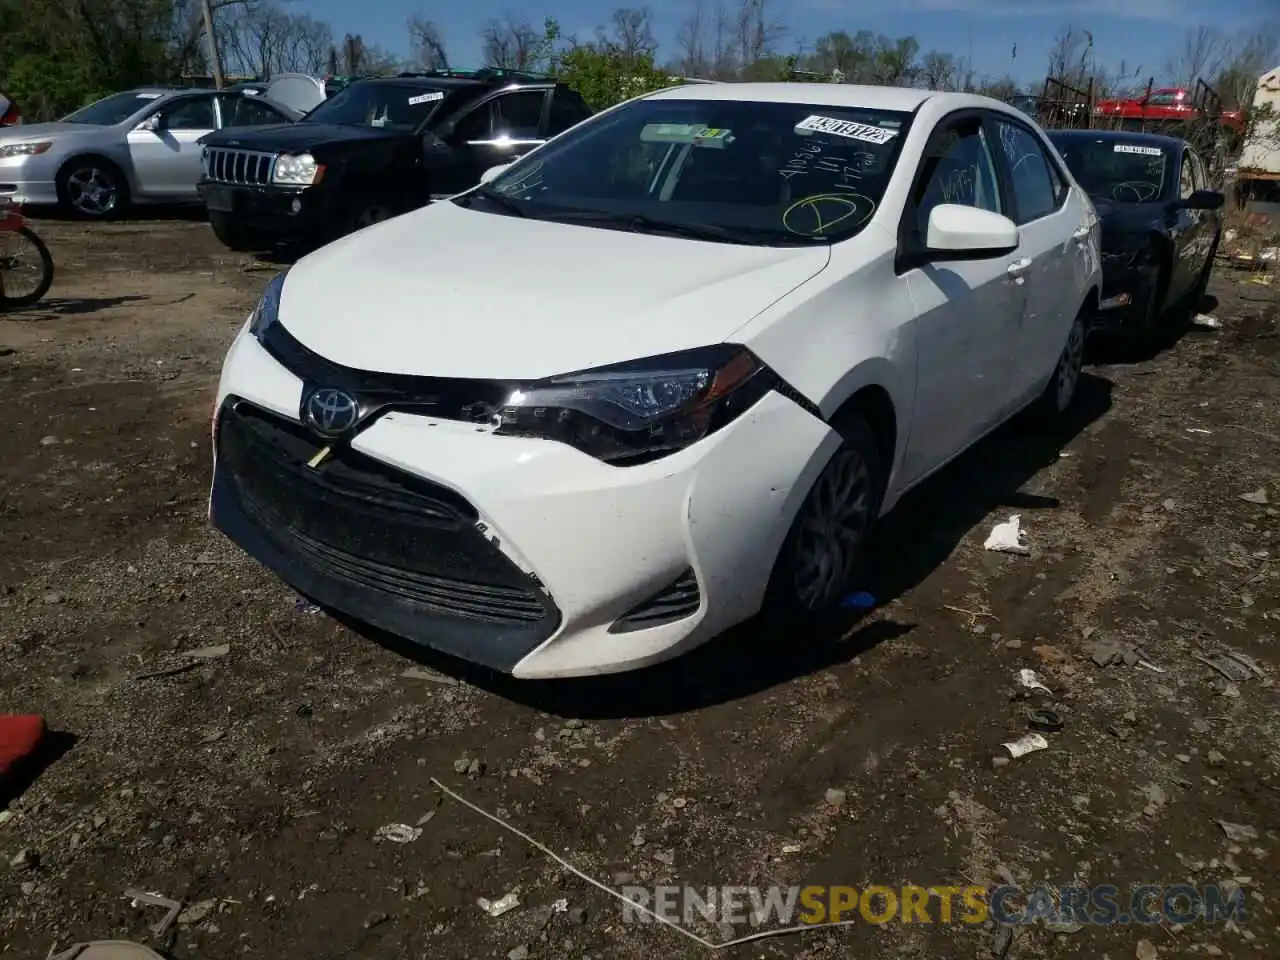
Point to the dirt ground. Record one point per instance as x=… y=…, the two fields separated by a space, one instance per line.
x=220 y=746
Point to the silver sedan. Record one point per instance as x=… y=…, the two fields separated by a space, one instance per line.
x=135 y=147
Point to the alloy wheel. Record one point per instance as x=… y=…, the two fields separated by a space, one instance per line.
x=831 y=531
x=92 y=191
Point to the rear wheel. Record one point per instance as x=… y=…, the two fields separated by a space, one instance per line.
x=1060 y=393
x=825 y=549
x=236 y=236
x=26 y=268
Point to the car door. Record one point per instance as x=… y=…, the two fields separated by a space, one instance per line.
x=165 y=150
x=1207 y=222
x=242 y=110
x=498 y=130
x=1184 y=229
x=967 y=311
x=1045 y=265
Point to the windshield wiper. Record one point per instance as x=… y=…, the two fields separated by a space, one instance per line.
x=751 y=236
x=497 y=199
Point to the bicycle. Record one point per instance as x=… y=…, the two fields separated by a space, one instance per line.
x=22 y=254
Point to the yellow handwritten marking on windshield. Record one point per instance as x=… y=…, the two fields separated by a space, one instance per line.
x=813 y=215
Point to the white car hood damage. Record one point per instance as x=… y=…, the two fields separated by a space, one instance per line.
x=454 y=292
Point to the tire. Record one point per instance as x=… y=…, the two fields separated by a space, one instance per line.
x=825 y=550
x=366 y=215
x=236 y=236
x=1201 y=286
x=46 y=274
x=1060 y=392
x=91 y=188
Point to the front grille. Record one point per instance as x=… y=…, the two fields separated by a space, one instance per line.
x=238 y=166
x=676 y=602
x=365 y=524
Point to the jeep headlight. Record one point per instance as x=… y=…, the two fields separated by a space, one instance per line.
x=299 y=171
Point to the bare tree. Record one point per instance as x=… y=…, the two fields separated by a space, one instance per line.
x=1246 y=58
x=756 y=32
x=426 y=45
x=691 y=41
x=938 y=71
x=633 y=32
x=1201 y=56
x=261 y=39
x=1071 y=56
x=513 y=43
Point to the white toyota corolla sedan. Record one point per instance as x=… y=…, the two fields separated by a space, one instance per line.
x=663 y=372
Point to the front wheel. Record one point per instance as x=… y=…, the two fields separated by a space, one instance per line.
x=26 y=268
x=826 y=547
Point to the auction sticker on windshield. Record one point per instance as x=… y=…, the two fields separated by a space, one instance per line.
x=425 y=98
x=1134 y=148
x=697 y=134
x=845 y=128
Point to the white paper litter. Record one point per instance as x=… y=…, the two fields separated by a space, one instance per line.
x=1026 y=744
x=1027 y=678
x=496 y=908
x=1008 y=537
x=1208 y=322
x=399 y=833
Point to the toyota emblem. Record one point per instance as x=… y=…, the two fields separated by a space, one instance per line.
x=331 y=412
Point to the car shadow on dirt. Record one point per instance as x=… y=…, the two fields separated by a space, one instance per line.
x=912 y=542
x=51 y=308
x=190 y=212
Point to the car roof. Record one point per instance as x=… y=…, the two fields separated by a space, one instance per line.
x=1120 y=136
x=904 y=99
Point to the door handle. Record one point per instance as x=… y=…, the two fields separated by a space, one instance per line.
x=1019 y=266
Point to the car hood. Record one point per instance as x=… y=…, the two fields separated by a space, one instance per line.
x=35 y=131
x=1126 y=225
x=453 y=292
x=283 y=137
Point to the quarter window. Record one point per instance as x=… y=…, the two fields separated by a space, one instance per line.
x=567 y=110
x=1037 y=189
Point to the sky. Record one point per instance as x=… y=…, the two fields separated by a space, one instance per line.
x=1143 y=33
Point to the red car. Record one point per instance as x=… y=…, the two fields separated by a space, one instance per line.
x=1170 y=103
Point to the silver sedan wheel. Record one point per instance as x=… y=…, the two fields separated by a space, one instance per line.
x=833 y=526
x=1070 y=365
x=92 y=191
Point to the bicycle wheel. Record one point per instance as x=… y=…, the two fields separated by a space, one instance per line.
x=26 y=268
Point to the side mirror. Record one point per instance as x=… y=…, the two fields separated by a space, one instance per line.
x=494 y=172
x=1203 y=200
x=152 y=124
x=966 y=233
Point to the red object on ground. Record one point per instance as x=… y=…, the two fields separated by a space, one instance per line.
x=19 y=738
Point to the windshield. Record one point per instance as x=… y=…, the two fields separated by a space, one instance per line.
x=111 y=110
x=390 y=106
x=1117 y=170
x=768 y=173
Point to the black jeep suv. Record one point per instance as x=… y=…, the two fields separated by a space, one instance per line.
x=376 y=149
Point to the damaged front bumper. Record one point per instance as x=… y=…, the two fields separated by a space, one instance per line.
x=1127 y=288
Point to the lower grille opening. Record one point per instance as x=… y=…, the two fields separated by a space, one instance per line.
x=676 y=602
x=371 y=527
